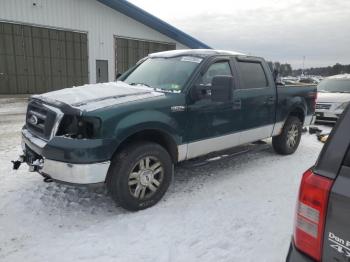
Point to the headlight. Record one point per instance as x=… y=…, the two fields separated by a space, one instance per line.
x=79 y=127
x=342 y=106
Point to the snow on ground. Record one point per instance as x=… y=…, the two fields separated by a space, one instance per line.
x=12 y=106
x=228 y=209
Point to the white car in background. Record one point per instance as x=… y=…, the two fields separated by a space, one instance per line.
x=333 y=97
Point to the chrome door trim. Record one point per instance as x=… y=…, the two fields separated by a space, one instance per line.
x=206 y=146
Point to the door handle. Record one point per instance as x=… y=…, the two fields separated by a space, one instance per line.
x=237 y=104
x=271 y=100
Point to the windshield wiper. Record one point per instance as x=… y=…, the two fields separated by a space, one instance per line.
x=139 y=84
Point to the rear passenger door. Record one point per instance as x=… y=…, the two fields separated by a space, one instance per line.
x=255 y=99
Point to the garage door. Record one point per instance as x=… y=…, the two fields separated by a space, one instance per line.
x=129 y=51
x=37 y=60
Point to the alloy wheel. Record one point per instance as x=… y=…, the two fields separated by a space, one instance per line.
x=292 y=136
x=146 y=177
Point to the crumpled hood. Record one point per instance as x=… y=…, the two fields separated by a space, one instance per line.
x=96 y=96
x=332 y=97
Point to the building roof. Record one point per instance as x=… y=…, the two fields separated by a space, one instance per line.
x=157 y=24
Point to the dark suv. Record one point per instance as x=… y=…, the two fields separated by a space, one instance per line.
x=322 y=220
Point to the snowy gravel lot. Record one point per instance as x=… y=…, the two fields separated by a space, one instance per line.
x=231 y=209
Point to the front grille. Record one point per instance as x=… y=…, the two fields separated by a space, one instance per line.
x=326 y=119
x=40 y=120
x=323 y=106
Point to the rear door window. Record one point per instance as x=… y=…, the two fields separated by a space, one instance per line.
x=252 y=75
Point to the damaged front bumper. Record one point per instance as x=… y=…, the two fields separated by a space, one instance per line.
x=76 y=173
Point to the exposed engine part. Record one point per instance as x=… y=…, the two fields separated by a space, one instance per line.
x=36 y=165
x=34 y=162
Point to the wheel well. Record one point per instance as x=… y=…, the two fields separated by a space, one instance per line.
x=155 y=136
x=299 y=113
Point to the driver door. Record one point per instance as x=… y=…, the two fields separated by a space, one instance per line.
x=211 y=125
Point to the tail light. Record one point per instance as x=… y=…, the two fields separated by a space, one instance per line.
x=311 y=214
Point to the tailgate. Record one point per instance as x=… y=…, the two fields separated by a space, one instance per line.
x=336 y=245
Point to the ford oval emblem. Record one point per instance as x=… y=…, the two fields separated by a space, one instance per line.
x=33 y=120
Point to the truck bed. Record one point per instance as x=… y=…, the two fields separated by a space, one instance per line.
x=303 y=95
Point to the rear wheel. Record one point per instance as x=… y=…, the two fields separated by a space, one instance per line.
x=139 y=175
x=288 y=141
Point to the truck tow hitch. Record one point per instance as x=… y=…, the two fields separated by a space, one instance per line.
x=47 y=178
x=34 y=166
x=17 y=163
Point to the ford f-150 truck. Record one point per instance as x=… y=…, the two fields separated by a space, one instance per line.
x=170 y=107
x=322 y=225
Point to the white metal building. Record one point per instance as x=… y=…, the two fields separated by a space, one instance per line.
x=50 y=44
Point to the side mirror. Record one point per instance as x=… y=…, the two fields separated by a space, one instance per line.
x=199 y=92
x=221 y=88
x=118 y=75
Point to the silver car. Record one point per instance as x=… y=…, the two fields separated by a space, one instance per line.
x=333 y=97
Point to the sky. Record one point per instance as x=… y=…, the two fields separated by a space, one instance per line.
x=284 y=30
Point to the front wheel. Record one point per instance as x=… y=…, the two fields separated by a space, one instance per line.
x=288 y=141
x=139 y=175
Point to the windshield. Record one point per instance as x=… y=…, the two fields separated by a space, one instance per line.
x=334 y=86
x=164 y=73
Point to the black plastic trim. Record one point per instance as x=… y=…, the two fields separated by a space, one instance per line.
x=294 y=255
x=334 y=151
x=65 y=108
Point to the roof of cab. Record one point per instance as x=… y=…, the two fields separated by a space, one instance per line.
x=194 y=52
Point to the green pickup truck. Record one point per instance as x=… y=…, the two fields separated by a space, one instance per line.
x=170 y=107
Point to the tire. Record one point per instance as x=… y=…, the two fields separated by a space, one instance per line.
x=136 y=183
x=285 y=144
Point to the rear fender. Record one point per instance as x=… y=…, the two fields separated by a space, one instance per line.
x=296 y=107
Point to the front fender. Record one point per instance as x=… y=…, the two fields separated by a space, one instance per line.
x=148 y=120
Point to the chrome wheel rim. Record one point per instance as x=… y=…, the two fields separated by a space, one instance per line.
x=145 y=177
x=292 y=135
